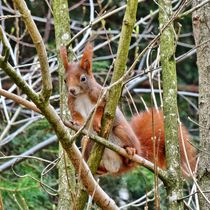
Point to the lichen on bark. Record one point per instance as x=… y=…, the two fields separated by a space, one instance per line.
x=174 y=184
x=201 y=22
x=66 y=172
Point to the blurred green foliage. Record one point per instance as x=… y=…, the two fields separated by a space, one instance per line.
x=21 y=185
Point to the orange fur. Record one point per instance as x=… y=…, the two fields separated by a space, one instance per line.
x=84 y=92
x=64 y=57
x=149 y=125
x=86 y=61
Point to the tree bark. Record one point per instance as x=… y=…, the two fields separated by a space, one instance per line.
x=201 y=30
x=174 y=184
x=66 y=172
x=40 y=48
x=119 y=70
x=1 y=203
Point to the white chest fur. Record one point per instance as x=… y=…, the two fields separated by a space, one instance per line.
x=84 y=106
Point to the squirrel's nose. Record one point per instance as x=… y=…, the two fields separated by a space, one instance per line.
x=72 y=91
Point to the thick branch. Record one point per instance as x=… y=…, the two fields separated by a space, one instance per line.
x=143 y=162
x=67 y=179
x=39 y=44
x=64 y=137
x=119 y=70
x=19 y=100
x=201 y=23
x=167 y=55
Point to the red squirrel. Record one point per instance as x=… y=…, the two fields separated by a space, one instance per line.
x=135 y=137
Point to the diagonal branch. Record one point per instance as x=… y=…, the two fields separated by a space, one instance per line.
x=19 y=100
x=5 y=51
x=115 y=91
x=111 y=105
x=64 y=137
x=136 y=158
x=41 y=51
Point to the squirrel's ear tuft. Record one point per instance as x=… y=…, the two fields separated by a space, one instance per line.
x=86 y=61
x=64 y=57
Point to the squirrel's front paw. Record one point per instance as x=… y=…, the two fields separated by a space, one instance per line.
x=130 y=150
x=74 y=123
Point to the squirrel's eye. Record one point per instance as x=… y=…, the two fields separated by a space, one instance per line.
x=65 y=80
x=83 y=78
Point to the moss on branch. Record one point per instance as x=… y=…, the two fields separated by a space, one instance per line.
x=174 y=183
x=119 y=70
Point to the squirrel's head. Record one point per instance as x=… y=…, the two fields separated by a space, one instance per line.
x=78 y=75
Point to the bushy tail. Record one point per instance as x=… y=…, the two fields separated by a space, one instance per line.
x=149 y=125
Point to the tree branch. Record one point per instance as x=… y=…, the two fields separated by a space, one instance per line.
x=115 y=91
x=143 y=162
x=66 y=172
x=19 y=100
x=64 y=137
x=114 y=94
x=174 y=183
x=41 y=51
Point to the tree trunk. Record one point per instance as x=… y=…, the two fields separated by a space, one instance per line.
x=201 y=29
x=174 y=184
x=66 y=170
